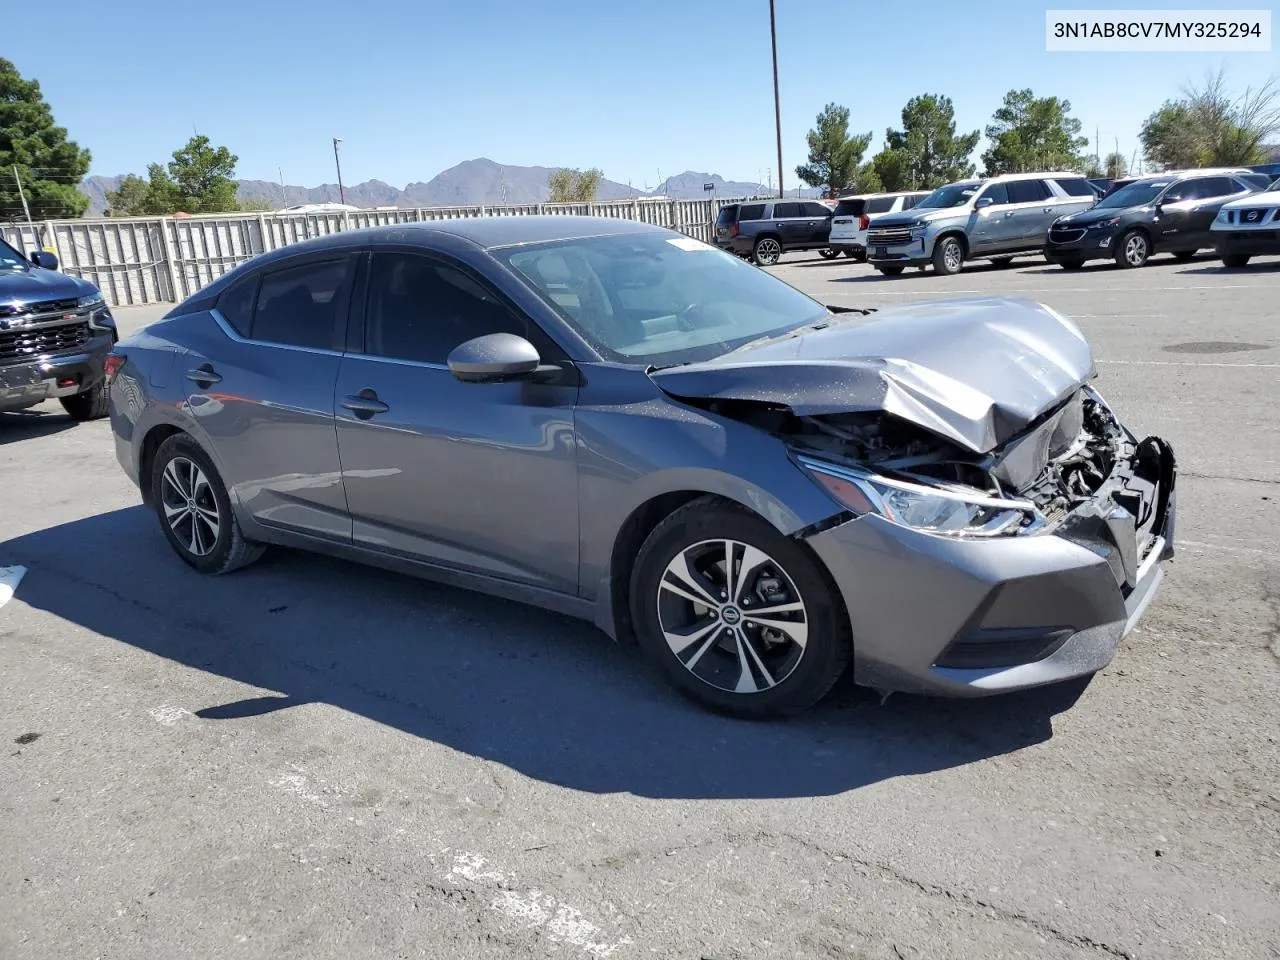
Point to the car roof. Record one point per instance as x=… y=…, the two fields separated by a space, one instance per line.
x=1055 y=174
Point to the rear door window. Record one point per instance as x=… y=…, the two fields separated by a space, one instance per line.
x=1075 y=186
x=816 y=210
x=1027 y=191
x=786 y=211
x=302 y=306
x=911 y=200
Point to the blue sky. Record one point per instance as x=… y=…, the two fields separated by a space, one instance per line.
x=638 y=89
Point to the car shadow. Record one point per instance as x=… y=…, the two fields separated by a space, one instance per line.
x=1254 y=267
x=29 y=424
x=545 y=695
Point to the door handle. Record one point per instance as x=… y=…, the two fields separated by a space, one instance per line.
x=1010 y=213
x=1048 y=209
x=204 y=375
x=365 y=404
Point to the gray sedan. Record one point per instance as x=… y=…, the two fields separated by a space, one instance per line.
x=620 y=423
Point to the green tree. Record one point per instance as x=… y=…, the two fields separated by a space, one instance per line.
x=129 y=198
x=1091 y=166
x=1212 y=126
x=573 y=186
x=835 y=158
x=926 y=152
x=253 y=205
x=50 y=166
x=1117 y=166
x=199 y=179
x=1033 y=133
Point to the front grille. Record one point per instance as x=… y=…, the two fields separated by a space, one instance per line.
x=17 y=346
x=1065 y=235
x=1251 y=216
x=1256 y=235
x=42 y=306
x=889 y=235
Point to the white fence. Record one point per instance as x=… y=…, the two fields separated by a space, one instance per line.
x=165 y=259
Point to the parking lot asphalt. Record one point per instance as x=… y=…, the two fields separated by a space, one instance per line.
x=310 y=759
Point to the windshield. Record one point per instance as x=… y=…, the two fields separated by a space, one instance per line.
x=1137 y=194
x=10 y=258
x=952 y=195
x=659 y=300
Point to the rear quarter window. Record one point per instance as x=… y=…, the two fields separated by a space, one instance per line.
x=751 y=211
x=880 y=204
x=1075 y=187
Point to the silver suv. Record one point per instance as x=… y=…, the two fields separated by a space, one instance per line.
x=995 y=219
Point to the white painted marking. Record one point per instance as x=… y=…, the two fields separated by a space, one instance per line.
x=10 y=577
x=561 y=922
x=1185 y=363
x=296 y=783
x=167 y=714
x=1200 y=545
x=997 y=292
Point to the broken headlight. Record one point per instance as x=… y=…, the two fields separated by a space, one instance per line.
x=946 y=510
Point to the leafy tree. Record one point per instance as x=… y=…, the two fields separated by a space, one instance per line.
x=199 y=179
x=129 y=198
x=926 y=153
x=1117 y=166
x=1091 y=166
x=1033 y=133
x=253 y=204
x=835 y=158
x=49 y=165
x=573 y=186
x=1211 y=126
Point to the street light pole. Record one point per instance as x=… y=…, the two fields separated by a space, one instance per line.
x=777 y=105
x=342 y=196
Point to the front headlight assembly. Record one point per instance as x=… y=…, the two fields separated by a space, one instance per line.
x=945 y=510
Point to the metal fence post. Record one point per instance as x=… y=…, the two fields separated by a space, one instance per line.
x=170 y=266
x=346 y=223
x=262 y=234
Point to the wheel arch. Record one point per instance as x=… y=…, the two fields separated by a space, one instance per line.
x=958 y=233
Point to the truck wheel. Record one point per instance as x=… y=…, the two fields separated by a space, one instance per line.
x=826 y=253
x=1235 y=260
x=766 y=251
x=948 y=256
x=90 y=405
x=891 y=271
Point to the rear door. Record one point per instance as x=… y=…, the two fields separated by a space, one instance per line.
x=819 y=222
x=1173 y=223
x=1212 y=193
x=1031 y=205
x=476 y=476
x=790 y=223
x=260 y=386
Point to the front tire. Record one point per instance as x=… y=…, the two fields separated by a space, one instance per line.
x=1133 y=250
x=1071 y=264
x=90 y=405
x=737 y=616
x=194 y=509
x=948 y=256
x=1235 y=261
x=891 y=271
x=766 y=251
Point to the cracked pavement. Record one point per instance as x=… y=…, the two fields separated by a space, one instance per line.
x=309 y=759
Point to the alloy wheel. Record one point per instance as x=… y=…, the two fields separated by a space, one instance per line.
x=768 y=251
x=732 y=616
x=1135 y=250
x=951 y=255
x=190 y=508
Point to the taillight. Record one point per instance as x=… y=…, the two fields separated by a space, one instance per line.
x=112 y=365
x=733 y=231
x=863 y=222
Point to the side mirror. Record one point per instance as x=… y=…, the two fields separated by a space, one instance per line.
x=982 y=202
x=43 y=258
x=493 y=358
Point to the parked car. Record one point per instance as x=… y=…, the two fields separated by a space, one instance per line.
x=854 y=214
x=996 y=219
x=1248 y=227
x=55 y=333
x=766 y=229
x=617 y=422
x=1160 y=214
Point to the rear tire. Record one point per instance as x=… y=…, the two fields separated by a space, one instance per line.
x=1071 y=264
x=1001 y=262
x=826 y=253
x=855 y=255
x=90 y=405
x=1182 y=256
x=766 y=252
x=948 y=256
x=194 y=510
x=1133 y=250
x=717 y=652
x=1234 y=261
x=891 y=271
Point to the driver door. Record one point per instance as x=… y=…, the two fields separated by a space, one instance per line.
x=476 y=476
x=990 y=229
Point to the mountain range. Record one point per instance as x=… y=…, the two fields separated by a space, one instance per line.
x=470 y=182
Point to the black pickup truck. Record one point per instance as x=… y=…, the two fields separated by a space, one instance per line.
x=55 y=334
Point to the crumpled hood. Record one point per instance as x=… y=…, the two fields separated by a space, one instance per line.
x=973 y=371
x=36 y=283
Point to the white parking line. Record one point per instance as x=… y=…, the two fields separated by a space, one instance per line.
x=1042 y=291
x=1186 y=363
x=1200 y=545
x=10 y=577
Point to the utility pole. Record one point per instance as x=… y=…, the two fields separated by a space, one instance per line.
x=284 y=196
x=777 y=103
x=25 y=208
x=342 y=196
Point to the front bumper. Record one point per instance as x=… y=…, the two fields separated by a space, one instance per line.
x=940 y=615
x=26 y=384
x=1094 y=245
x=914 y=253
x=1251 y=243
